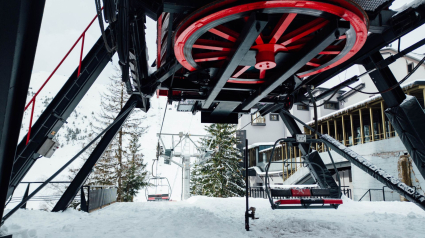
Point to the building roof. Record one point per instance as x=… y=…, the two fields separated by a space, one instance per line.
x=367 y=101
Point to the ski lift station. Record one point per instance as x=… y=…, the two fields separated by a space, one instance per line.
x=327 y=98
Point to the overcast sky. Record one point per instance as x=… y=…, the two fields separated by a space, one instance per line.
x=64 y=21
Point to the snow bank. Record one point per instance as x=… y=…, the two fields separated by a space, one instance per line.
x=222 y=217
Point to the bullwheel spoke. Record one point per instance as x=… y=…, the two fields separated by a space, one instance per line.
x=281 y=27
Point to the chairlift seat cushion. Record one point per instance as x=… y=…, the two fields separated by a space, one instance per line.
x=301 y=192
x=320 y=192
x=308 y=201
x=281 y=192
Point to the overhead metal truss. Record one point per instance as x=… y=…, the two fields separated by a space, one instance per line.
x=226 y=56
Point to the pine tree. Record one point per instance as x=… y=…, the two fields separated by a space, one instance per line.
x=120 y=159
x=219 y=175
x=135 y=173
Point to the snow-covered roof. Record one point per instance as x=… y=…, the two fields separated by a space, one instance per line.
x=413 y=4
x=367 y=101
x=253 y=145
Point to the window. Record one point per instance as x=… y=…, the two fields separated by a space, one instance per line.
x=274 y=117
x=410 y=67
x=257 y=120
x=302 y=108
x=332 y=105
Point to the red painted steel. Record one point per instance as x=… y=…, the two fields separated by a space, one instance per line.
x=81 y=54
x=332 y=201
x=241 y=71
x=225 y=33
x=32 y=101
x=32 y=116
x=244 y=82
x=210 y=56
x=213 y=45
x=303 y=31
x=345 y=10
x=313 y=64
x=301 y=192
x=281 y=27
x=262 y=73
x=289 y=201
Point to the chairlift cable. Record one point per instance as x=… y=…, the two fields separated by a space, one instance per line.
x=395 y=85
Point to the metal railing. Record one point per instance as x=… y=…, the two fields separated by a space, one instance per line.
x=257 y=192
x=374 y=189
x=347 y=191
x=32 y=101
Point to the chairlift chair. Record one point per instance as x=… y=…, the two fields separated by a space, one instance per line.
x=299 y=197
x=159 y=191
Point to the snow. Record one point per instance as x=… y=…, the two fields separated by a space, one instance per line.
x=413 y=4
x=222 y=217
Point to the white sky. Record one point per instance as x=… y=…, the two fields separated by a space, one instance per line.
x=65 y=20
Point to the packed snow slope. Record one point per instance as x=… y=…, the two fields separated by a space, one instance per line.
x=222 y=217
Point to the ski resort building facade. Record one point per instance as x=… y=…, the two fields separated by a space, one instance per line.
x=356 y=120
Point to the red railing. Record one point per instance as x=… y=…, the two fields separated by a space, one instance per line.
x=32 y=101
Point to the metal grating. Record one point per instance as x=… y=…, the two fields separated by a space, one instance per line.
x=371 y=5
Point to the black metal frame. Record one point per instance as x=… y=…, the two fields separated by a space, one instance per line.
x=218 y=102
x=20 y=27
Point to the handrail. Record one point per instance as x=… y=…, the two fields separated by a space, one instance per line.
x=374 y=189
x=32 y=101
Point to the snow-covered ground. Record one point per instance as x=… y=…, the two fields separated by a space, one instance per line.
x=222 y=217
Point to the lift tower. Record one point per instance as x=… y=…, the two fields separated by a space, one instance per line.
x=182 y=149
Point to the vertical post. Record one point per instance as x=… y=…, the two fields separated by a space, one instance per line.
x=352 y=129
x=329 y=127
x=81 y=54
x=246 y=186
x=323 y=144
x=343 y=132
x=26 y=195
x=186 y=177
x=361 y=127
x=290 y=157
x=19 y=29
x=372 y=128
x=31 y=117
x=295 y=158
x=336 y=131
x=423 y=94
x=384 y=127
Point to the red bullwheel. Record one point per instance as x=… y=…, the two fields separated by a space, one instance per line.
x=206 y=38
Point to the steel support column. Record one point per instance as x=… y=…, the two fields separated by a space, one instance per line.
x=87 y=168
x=316 y=166
x=19 y=29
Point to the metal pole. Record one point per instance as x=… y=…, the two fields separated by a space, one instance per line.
x=186 y=177
x=246 y=186
x=20 y=28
